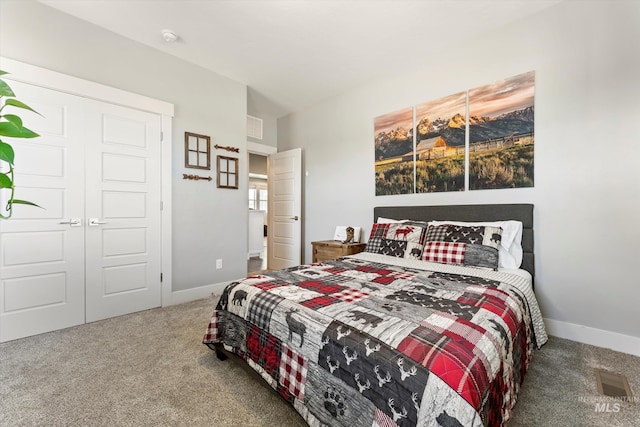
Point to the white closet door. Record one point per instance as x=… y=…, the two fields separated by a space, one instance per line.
x=96 y=245
x=123 y=247
x=41 y=253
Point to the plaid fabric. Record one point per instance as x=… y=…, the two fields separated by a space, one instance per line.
x=374 y=244
x=265 y=286
x=391 y=276
x=293 y=372
x=211 y=335
x=378 y=233
x=352 y=295
x=382 y=420
x=264 y=349
x=376 y=268
x=261 y=308
x=437 y=233
x=319 y=302
x=473 y=333
x=445 y=351
x=482 y=244
x=444 y=252
x=494 y=301
x=403 y=240
x=379 y=230
x=320 y=286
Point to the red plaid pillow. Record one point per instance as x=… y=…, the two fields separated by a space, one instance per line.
x=444 y=252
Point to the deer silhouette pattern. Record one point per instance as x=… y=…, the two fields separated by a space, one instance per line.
x=353 y=340
x=352 y=358
x=295 y=326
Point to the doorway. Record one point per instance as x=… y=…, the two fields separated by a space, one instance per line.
x=258 y=213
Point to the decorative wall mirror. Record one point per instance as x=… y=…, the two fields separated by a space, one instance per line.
x=196 y=151
x=227 y=172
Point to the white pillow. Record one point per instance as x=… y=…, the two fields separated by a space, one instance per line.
x=510 y=253
x=382 y=220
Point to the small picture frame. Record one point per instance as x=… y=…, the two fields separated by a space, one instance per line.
x=197 y=149
x=227 y=172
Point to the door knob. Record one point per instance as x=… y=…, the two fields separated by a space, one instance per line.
x=73 y=222
x=295 y=218
x=94 y=222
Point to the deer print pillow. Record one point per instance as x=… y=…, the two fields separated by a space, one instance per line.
x=399 y=239
x=471 y=246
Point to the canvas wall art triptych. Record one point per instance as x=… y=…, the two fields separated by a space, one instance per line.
x=478 y=139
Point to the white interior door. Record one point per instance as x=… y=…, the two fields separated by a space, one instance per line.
x=123 y=248
x=285 y=207
x=96 y=244
x=42 y=250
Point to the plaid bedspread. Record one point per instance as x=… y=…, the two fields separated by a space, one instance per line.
x=360 y=342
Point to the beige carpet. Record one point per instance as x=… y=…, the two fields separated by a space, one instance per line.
x=150 y=368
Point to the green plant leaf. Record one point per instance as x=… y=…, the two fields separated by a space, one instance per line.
x=19 y=104
x=12 y=118
x=5 y=90
x=9 y=129
x=2 y=72
x=23 y=202
x=5 y=181
x=6 y=153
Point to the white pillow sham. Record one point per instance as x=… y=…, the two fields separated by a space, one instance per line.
x=510 y=253
x=382 y=220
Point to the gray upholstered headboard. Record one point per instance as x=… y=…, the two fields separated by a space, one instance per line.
x=518 y=212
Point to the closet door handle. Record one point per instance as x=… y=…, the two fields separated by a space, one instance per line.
x=73 y=222
x=295 y=218
x=94 y=222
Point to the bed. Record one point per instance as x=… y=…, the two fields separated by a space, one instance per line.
x=431 y=325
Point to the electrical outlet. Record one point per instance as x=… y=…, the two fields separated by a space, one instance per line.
x=218 y=264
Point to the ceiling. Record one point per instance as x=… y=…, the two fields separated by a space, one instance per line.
x=295 y=53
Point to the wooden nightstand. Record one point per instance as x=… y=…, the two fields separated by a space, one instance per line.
x=331 y=249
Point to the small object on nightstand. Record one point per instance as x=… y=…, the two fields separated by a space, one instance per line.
x=349 y=238
x=331 y=249
x=341 y=234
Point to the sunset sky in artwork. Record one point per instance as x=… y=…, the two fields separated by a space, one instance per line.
x=492 y=100
x=504 y=96
x=443 y=108
x=401 y=118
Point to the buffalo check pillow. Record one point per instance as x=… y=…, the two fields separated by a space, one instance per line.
x=472 y=246
x=444 y=252
x=399 y=239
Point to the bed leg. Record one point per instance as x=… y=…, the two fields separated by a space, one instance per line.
x=220 y=354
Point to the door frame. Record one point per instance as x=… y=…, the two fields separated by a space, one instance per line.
x=38 y=76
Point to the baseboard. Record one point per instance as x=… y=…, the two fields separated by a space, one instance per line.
x=179 y=297
x=598 y=337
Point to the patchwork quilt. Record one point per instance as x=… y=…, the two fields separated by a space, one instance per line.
x=371 y=340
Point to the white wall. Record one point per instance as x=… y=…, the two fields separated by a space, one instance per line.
x=587 y=151
x=208 y=223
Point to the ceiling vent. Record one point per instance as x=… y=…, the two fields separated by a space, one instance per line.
x=254 y=127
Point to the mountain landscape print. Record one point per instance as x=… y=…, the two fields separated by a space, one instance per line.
x=394 y=152
x=501 y=133
x=440 y=144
